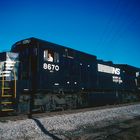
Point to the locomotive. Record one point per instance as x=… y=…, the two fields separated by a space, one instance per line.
x=42 y=76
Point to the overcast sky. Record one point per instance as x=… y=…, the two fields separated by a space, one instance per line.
x=109 y=29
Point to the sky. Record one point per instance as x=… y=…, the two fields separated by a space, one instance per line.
x=109 y=29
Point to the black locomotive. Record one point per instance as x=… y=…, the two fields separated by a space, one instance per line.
x=47 y=77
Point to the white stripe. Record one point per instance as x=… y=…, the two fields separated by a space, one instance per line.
x=8 y=68
x=5 y=72
x=5 y=75
x=10 y=62
x=9 y=65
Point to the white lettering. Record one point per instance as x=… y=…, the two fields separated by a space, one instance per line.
x=57 y=68
x=117 y=79
x=50 y=67
x=116 y=71
x=53 y=66
x=108 y=69
x=45 y=66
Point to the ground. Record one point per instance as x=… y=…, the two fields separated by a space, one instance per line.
x=127 y=130
x=118 y=123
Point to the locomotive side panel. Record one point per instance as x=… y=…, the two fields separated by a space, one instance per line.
x=110 y=77
x=131 y=75
x=68 y=70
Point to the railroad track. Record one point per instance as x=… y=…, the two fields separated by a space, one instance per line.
x=51 y=114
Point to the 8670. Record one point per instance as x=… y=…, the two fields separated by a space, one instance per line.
x=50 y=67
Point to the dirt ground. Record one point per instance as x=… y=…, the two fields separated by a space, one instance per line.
x=128 y=130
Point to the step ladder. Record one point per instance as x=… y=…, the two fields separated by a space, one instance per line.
x=8 y=93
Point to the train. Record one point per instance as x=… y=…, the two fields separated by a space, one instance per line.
x=40 y=76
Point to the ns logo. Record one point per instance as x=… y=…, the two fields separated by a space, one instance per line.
x=116 y=71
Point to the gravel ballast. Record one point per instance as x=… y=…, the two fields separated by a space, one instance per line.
x=63 y=126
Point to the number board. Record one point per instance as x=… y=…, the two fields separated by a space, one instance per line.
x=51 y=67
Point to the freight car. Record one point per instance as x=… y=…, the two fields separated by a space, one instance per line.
x=37 y=75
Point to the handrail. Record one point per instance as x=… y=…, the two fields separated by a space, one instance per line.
x=2 y=88
x=15 y=84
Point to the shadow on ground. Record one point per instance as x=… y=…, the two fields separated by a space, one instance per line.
x=43 y=129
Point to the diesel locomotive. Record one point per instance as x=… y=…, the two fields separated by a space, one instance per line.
x=42 y=76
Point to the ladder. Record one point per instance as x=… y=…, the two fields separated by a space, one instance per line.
x=8 y=94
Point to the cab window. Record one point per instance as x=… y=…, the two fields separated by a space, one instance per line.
x=51 y=56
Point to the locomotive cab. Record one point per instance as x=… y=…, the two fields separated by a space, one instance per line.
x=39 y=64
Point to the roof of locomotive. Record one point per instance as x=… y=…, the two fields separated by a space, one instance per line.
x=21 y=43
x=128 y=67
